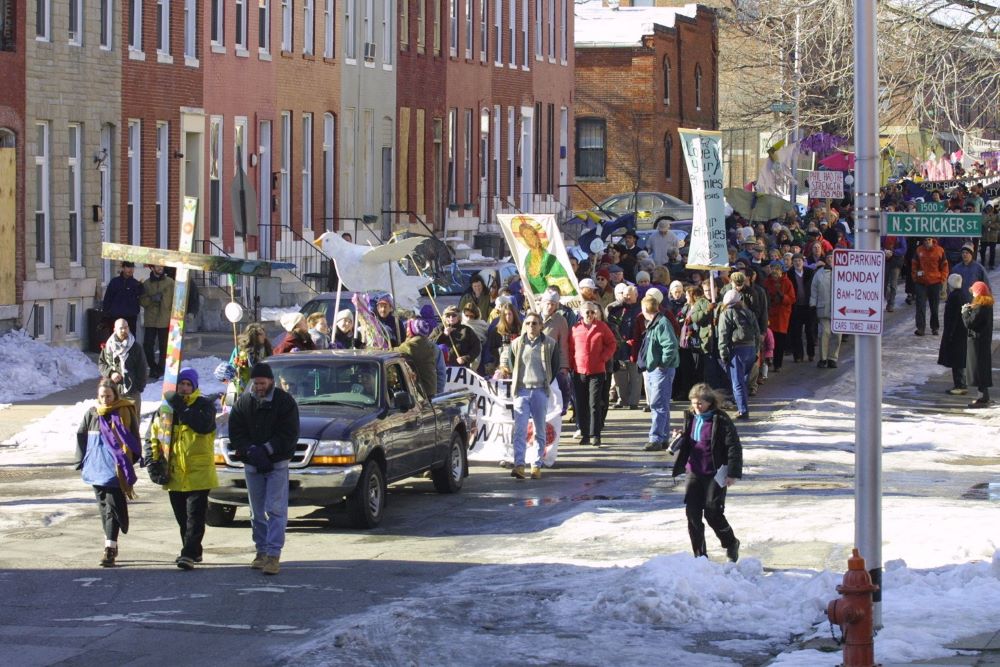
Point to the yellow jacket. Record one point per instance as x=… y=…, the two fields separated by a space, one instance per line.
x=192 y=455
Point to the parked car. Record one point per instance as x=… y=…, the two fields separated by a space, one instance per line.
x=680 y=228
x=363 y=424
x=448 y=289
x=651 y=207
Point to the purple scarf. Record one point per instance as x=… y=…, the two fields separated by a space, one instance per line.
x=113 y=435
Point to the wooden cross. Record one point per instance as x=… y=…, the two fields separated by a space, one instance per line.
x=184 y=260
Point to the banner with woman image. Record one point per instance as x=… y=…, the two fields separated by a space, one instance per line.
x=536 y=247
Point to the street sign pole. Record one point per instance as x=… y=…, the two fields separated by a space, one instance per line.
x=868 y=356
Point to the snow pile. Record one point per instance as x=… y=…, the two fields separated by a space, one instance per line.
x=669 y=610
x=274 y=314
x=32 y=369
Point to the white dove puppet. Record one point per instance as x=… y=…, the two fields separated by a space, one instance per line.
x=365 y=268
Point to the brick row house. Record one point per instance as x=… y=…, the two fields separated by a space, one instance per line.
x=641 y=73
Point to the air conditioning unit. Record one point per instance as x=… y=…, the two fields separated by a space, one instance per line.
x=370 y=51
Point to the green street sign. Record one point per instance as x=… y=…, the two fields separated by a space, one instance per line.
x=933 y=224
x=931 y=207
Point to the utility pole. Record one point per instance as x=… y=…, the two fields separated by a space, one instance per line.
x=868 y=357
x=797 y=75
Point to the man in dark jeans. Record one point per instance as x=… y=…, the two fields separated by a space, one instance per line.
x=802 y=316
x=157 y=302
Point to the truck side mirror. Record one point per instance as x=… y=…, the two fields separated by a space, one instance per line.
x=403 y=401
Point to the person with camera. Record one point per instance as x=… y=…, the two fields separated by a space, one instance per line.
x=708 y=449
x=264 y=429
x=184 y=463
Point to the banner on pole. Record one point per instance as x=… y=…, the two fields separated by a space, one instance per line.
x=536 y=247
x=493 y=411
x=703 y=155
x=826 y=184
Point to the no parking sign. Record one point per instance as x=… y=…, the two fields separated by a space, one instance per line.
x=858 y=280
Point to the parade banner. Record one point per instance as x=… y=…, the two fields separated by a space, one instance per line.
x=826 y=185
x=536 y=247
x=703 y=155
x=492 y=410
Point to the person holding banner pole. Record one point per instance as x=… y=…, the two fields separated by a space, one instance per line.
x=536 y=359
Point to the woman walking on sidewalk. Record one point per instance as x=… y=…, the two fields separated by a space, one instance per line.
x=107 y=447
x=711 y=454
x=954 y=338
x=978 y=319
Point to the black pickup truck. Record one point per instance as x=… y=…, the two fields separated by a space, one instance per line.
x=363 y=423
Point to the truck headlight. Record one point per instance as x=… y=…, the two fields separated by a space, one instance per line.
x=334 y=452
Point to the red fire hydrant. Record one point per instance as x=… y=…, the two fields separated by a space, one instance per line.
x=853 y=612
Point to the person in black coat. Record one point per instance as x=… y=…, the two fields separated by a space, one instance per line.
x=954 y=337
x=710 y=452
x=803 y=317
x=121 y=298
x=978 y=319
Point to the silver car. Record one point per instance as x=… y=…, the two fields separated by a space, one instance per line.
x=651 y=207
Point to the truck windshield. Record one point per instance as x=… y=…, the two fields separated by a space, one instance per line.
x=331 y=381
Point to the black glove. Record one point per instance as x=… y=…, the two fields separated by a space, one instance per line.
x=156 y=298
x=258 y=457
x=175 y=400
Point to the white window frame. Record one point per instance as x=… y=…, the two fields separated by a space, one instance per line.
x=437 y=26
x=241 y=140
x=697 y=87
x=368 y=23
x=497 y=135
x=286 y=26
x=216 y=140
x=552 y=29
x=468 y=29
x=512 y=32
x=217 y=22
x=264 y=27
x=73 y=319
x=329 y=169
x=498 y=32
x=43 y=20
x=163 y=27
x=265 y=140
x=539 y=45
x=368 y=118
x=511 y=154
x=404 y=24
x=484 y=30
x=329 y=10
x=387 y=41
x=40 y=313
x=564 y=32
x=524 y=32
x=74 y=165
x=308 y=27
x=453 y=28
x=452 y=185
x=191 y=31
x=107 y=9
x=285 y=185
x=666 y=72
x=135 y=26
x=241 y=41
x=74 y=24
x=350 y=39
x=467 y=157
x=163 y=184
x=421 y=26
x=307 y=145
x=134 y=156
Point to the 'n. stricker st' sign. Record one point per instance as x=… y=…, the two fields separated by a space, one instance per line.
x=933 y=224
x=856 y=302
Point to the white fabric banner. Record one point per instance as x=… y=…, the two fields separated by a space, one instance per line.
x=493 y=411
x=702 y=153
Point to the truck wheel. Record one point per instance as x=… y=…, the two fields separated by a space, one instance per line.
x=448 y=478
x=219 y=515
x=366 y=503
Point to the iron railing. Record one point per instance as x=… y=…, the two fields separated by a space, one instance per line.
x=244 y=288
x=313 y=267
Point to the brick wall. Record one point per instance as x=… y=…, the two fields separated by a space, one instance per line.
x=625 y=87
x=12 y=110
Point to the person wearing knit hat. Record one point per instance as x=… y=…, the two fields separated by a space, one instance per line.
x=392 y=326
x=344 y=336
x=191 y=463
x=952 y=351
x=297 y=338
x=264 y=432
x=654 y=293
x=622 y=316
x=739 y=339
x=970 y=270
x=604 y=273
x=978 y=319
x=424 y=355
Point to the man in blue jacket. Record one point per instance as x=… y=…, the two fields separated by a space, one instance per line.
x=121 y=298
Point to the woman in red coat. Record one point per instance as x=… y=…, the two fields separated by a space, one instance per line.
x=591 y=347
x=780 y=299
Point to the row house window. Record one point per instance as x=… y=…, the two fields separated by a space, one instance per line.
x=512 y=30
x=286 y=26
x=75 y=181
x=163 y=26
x=307 y=170
x=308 y=27
x=241 y=26
x=387 y=32
x=43 y=20
x=468 y=29
x=483 y=13
x=134 y=201
x=134 y=25
x=8 y=18
x=552 y=29
x=436 y=28
x=218 y=22
x=563 y=29
x=539 y=46
x=329 y=12
x=191 y=28
x=215 y=177
x=42 y=187
x=453 y=27
x=285 y=182
x=368 y=29
x=264 y=26
x=349 y=48
x=524 y=33
x=76 y=22
x=421 y=26
x=329 y=168
x=498 y=32
x=591 y=136
x=404 y=24
x=162 y=183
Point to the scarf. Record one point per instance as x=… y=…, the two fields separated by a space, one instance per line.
x=120 y=350
x=699 y=423
x=114 y=421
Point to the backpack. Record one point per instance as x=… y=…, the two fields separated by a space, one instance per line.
x=745 y=330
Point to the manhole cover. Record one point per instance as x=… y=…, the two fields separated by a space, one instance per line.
x=32 y=534
x=813 y=486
